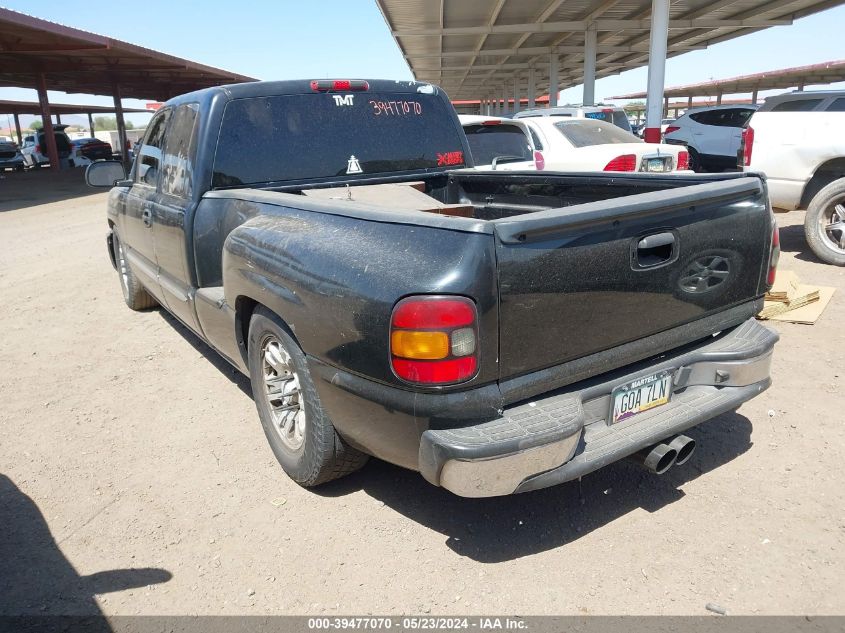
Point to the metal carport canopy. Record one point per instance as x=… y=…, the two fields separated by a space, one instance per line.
x=799 y=76
x=44 y=55
x=479 y=48
x=72 y=60
x=33 y=107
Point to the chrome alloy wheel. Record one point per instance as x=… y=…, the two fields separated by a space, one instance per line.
x=284 y=393
x=833 y=226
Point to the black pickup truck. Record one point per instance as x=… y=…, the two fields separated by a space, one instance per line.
x=498 y=332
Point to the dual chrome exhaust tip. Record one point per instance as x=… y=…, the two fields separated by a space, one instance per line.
x=661 y=457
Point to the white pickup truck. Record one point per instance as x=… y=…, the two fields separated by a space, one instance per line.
x=798 y=140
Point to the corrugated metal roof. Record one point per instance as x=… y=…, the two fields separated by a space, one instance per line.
x=472 y=47
x=815 y=74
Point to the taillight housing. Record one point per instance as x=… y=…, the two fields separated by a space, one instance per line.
x=747 y=145
x=37 y=149
x=434 y=340
x=670 y=129
x=683 y=161
x=625 y=162
x=539 y=160
x=342 y=85
x=774 y=255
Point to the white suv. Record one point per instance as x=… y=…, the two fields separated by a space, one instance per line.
x=608 y=114
x=712 y=135
x=798 y=140
x=34 y=147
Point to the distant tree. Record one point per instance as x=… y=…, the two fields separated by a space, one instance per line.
x=105 y=123
x=36 y=125
x=110 y=123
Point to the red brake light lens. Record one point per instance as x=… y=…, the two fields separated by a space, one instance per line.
x=671 y=128
x=747 y=145
x=491 y=122
x=434 y=339
x=683 y=161
x=539 y=161
x=340 y=85
x=626 y=162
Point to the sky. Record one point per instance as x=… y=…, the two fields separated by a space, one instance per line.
x=296 y=39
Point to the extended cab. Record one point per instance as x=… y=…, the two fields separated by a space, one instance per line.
x=498 y=332
x=798 y=140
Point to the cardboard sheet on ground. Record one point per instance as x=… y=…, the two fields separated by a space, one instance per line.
x=810 y=313
x=785 y=287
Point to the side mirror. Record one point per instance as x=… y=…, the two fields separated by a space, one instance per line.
x=104 y=173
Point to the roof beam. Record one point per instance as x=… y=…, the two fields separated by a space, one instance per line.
x=545 y=50
x=601 y=25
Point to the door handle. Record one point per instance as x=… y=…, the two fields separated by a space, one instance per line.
x=147 y=217
x=656 y=249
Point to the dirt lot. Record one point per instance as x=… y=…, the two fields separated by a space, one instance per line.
x=135 y=478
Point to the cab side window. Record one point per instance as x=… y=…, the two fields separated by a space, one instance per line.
x=180 y=152
x=148 y=168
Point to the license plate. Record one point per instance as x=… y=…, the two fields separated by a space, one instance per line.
x=641 y=395
x=656 y=164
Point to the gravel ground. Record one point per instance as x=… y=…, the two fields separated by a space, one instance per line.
x=135 y=478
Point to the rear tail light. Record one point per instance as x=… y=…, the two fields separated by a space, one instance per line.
x=491 y=122
x=539 y=161
x=747 y=145
x=683 y=160
x=37 y=149
x=774 y=254
x=626 y=162
x=670 y=129
x=344 y=85
x=434 y=339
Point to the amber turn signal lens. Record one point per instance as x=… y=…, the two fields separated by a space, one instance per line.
x=420 y=345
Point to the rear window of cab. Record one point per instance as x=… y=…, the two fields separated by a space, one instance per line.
x=586 y=132
x=318 y=136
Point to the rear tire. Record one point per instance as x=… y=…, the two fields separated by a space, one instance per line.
x=824 y=224
x=694 y=161
x=299 y=430
x=134 y=294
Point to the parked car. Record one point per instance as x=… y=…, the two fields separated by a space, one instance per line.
x=798 y=140
x=92 y=148
x=591 y=145
x=497 y=331
x=712 y=135
x=10 y=157
x=610 y=114
x=34 y=148
x=498 y=143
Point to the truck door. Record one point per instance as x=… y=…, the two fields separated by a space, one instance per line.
x=136 y=228
x=170 y=209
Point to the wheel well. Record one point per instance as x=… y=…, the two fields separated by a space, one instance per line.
x=244 y=307
x=826 y=173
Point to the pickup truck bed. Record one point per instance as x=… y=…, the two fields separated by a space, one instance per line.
x=578 y=293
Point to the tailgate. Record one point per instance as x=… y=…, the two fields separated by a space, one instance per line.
x=583 y=279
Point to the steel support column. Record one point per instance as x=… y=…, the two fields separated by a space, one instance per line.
x=754 y=97
x=91 y=124
x=719 y=99
x=58 y=119
x=18 y=129
x=121 y=125
x=553 y=85
x=656 y=68
x=515 y=95
x=532 y=88
x=49 y=135
x=504 y=100
x=689 y=102
x=590 y=46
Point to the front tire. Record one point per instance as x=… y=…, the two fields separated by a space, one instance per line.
x=297 y=427
x=824 y=224
x=134 y=294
